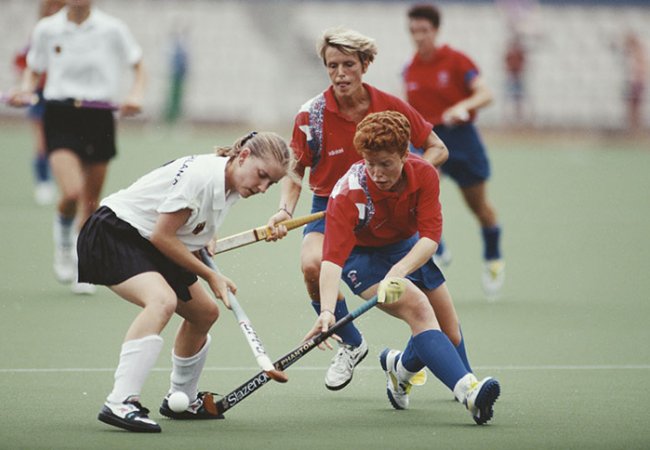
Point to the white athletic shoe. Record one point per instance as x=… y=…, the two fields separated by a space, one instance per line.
x=65 y=263
x=494 y=274
x=342 y=366
x=444 y=259
x=130 y=415
x=480 y=399
x=44 y=193
x=83 y=288
x=396 y=389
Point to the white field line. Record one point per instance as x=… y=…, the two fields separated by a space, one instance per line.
x=323 y=368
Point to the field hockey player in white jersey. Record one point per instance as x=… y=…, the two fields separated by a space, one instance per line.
x=143 y=242
x=85 y=53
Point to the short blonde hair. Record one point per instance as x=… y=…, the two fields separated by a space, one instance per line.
x=349 y=42
x=263 y=145
x=383 y=131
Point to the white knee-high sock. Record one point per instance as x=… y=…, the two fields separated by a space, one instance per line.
x=136 y=361
x=186 y=371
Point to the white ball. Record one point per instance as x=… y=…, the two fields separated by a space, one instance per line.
x=178 y=401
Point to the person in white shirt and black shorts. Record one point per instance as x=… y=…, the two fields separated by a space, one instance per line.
x=142 y=243
x=85 y=53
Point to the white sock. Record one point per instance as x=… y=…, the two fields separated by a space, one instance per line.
x=63 y=231
x=186 y=371
x=463 y=386
x=402 y=372
x=136 y=361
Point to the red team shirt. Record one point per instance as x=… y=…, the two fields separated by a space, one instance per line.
x=322 y=138
x=383 y=218
x=433 y=86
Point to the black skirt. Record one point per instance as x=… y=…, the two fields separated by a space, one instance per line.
x=112 y=251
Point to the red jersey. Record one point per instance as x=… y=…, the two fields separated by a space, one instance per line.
x=359 y=214
x=435 y=85
x=322 y=138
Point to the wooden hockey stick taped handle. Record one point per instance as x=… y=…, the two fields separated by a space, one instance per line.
x=263 y=232
x=260 y=233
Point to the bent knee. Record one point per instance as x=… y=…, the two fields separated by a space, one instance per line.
x=311 y=269
x=211 y=314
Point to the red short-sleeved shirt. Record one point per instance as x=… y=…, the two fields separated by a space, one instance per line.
x=322 y=138
x=359 y=214
x=435 y=85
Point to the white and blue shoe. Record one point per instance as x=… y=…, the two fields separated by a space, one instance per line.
x=397 y=388
x=480 y=399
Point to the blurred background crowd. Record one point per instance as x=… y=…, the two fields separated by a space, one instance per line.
x=570 y=65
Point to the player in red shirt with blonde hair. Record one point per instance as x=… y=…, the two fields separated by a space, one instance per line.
x=445 y=86
x=322 y=140
x=384 y=221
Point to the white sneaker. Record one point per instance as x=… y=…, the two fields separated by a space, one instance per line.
x=342 y=366
x=65 y=263
x=130 y=415
x=444 y=259
x=83 y=288
x=494 y=274
x=480 y=399
x=44 y=193
x=396 y=389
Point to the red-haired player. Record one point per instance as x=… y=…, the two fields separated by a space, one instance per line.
x=384 y=221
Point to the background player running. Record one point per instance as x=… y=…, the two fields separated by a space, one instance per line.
x=445 y=86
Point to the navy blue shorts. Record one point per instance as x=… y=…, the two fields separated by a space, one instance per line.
x=468 y=163
x=35 y=111
x=367 y=266
x=318 y=204
x=112 y=251
x=88 y=132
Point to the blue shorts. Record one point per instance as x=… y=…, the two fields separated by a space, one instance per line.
x=35 y=111
x=367 y=266
x=468 y=163
x=318 y=204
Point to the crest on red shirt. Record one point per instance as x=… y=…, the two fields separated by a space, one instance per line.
x=443 y=78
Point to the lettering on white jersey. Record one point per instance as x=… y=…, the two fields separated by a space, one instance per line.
x=181 y=170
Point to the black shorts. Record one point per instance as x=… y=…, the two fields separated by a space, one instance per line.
x=112 y=251
x=90 y=133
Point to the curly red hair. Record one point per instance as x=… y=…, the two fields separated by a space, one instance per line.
x=383 y=131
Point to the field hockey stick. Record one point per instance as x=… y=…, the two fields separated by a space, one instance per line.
x=261 y=233
x=77 y=103
x=253 y=340
x=253 y=384
x=5 y=98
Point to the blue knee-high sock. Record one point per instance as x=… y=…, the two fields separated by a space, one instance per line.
x=460 y=348
x=41 y=168
x=435 y=349
x=349 y=333
x=491 y=248
x=441 y=247
x=410 y=359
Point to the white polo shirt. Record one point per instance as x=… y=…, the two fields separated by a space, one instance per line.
x=83 y=61
x=196 y=182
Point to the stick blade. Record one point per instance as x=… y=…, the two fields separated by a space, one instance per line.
x=277 y=375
